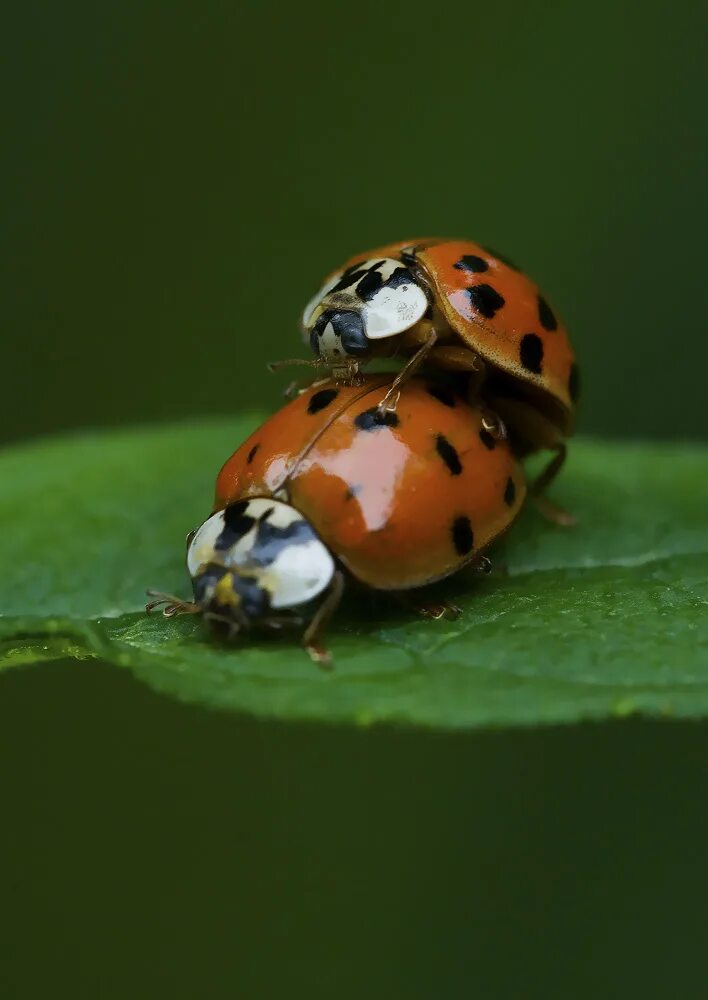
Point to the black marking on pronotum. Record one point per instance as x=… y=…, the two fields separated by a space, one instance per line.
x=462 y=535
x=546 y=315
x=442 y=394
x=371 y=420
x=471 y=263
x=531 y=352
x=236 y=524
x=487 y=439
x=349 y=278
x=321 y=399
x=486 y=300
x=369 y=285
x=252 y=454
x=352 y=492
x=271 y=539
x=574 y=383
x=448 y=453
x=510 y=492
x=347 y=325
x=399 y=276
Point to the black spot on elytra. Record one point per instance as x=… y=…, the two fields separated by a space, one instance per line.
x=352 y=492
x=448 y=453
x=252 y=454
x=487 y=439
x=546 y=315
x=371 y=420
x=509 y=492
x=574 y=382
x=531 y=352
x=472 y=264
x=462 y=536
x=442 y=394
x=486 y=300
x=321 y=399
x=502 y=258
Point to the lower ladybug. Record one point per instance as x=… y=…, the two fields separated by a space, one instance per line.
x=329 y=485
x=452 y=305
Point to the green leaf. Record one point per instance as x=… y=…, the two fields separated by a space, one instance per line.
x=609 y=618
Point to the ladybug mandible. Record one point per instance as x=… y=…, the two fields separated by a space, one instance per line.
x=330 y=486
x=453 y=305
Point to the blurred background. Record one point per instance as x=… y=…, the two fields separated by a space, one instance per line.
x=177 y=179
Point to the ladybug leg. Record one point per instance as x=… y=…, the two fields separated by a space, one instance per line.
x=297 y=387
x=482 y=564
x=229 y=629
x=553 y=512
x=390 y=401
x=539 y=432
x=278 y=622
x=293 y=389
x=493 y=424
x=172 y=605
x=347 y=373
x=460 y=359
x=311 y=636
x=435 y=610
x=439 y=611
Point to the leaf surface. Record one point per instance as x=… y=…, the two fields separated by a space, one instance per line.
x=609 y=618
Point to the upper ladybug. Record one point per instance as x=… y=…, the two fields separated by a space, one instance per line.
x=456 y=306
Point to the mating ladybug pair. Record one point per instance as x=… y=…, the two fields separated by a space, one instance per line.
x=397 y=480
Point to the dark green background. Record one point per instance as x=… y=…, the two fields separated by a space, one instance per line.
x=181 y=176
x=177 y=179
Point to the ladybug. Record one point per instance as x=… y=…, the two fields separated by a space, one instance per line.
x=331 y=485
x=453 y=305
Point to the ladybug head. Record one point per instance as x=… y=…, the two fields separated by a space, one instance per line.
x=229 y=599
x=370 y=301
x=251 y=562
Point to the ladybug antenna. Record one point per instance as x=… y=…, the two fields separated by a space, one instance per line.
x=172 y=605
x=275 y=366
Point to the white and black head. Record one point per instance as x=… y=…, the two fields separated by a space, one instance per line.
x=254 y=561
x=370 y=301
